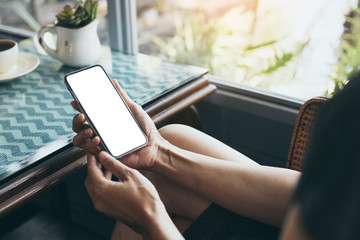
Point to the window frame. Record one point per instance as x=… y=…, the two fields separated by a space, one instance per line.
x=122 y=22
x=15 y=33
x=255 y=101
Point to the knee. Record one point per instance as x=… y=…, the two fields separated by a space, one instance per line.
x=173 y=132
x=182 y=136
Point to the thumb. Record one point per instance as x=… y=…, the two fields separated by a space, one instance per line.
x=131 y=104
x=114 y=166
x=126 y=97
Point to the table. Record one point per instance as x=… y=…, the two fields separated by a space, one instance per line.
x=36 y=118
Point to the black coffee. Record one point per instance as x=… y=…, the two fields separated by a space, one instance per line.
x=5 y=46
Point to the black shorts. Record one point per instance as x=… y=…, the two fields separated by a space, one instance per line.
x=218 y=223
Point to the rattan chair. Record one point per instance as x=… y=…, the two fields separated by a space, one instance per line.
x=302 y=132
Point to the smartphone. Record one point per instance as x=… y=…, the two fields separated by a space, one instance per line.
x=106 y=111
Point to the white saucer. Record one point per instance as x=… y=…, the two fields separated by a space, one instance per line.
x=25 y=63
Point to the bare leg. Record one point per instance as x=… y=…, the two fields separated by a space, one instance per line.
x=185 y=204
x=193 y=140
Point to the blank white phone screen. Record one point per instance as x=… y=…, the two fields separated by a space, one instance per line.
x=106 y=110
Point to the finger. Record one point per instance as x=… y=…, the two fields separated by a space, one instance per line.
x=94 y=150
x=75 y=105
x=94 y=169
x=92 y=179
x=122 y=92
x=93 y=145
x=82 y=137
x=108 y=175
x=98 y=164
x=78 y=122
x=114 y=166
x=134 y=107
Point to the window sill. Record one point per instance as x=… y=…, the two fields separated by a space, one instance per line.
x=16 y=34
x=255 y=101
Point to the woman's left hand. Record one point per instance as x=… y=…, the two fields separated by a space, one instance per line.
x=143 y=158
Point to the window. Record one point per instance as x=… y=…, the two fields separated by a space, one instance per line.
x=285 y=46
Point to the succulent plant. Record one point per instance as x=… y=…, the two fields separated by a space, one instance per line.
x=81 y=14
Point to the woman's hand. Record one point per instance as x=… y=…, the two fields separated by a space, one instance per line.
x=84 y=137
x=142 y=158
x=132 y=199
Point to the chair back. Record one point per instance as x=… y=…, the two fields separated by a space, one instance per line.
x=302 y=132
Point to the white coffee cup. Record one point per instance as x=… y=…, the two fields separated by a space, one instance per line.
x=8 y=54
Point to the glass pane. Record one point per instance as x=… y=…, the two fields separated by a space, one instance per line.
x=32 y=14
x=286 y=46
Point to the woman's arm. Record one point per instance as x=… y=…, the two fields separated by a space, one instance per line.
x=257 y=192
x=254 y=191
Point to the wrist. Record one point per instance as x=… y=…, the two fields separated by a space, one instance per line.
x=163 y=155
x=158 y=224
x=168 y=158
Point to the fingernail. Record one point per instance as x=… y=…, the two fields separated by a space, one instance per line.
x=103 y=156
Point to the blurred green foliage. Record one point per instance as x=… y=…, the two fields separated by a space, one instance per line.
x=218 y=46
x=349 y=53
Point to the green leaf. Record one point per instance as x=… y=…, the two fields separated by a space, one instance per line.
x=250 y=47
x=281 y=61
x=79 y=15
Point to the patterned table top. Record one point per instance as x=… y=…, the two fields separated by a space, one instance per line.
x=35 y=111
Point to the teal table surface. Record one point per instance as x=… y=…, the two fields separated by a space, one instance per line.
x=35 y=111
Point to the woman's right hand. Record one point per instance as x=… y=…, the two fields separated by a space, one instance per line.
x=132 y=199
x=143 y=158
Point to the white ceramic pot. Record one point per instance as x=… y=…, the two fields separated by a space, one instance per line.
x=75 y=47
